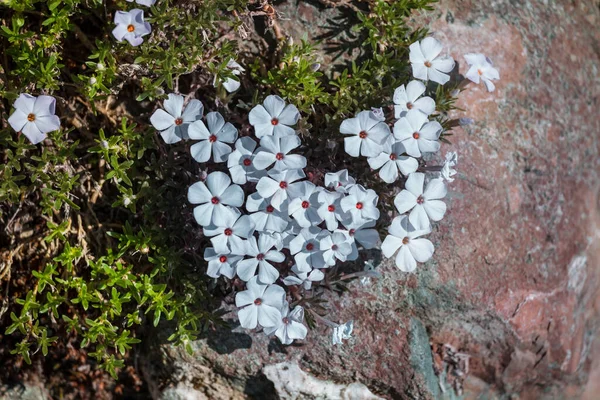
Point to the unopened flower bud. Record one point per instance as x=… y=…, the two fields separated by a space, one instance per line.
x=100 y=67
x=93 y=80
x=315 y=67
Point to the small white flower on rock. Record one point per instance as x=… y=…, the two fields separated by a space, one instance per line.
x=174 y=120
x=274 y=117
x=34 y=116
x=426 y=62
x=406 y=99
x=131 y=26
x=391 y=161
x=369 y=134
x=215 y=199
x=262 y=254
x=417 y=134
x=335 y=246
x=361 y=203
x=425 y=205
x=405 y=239
x=291 y=325
x=447 y=171
x=481 y=68
x=275 y=149
x=213 y=139
x=261 y=304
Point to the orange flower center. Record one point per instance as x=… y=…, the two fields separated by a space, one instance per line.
x=480 y=72
x=279 y=156
x=405 y=240
x=428 y=64
x=416 y=135
x=31 y=117
x=274 y=121
x=362 y=135
x=130 y=28
x=409 y=105
x=178 y=121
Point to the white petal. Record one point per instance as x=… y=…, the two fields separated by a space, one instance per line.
x=268 y=274
x=263 y=159
x=233 y=196
x=445 y=64
x=428 y=146
x=414 y=183
x=170 y=135
x=174 y=105
x=259 y=116
x=198 y=130
x=405 y=260
x=431 y=130
x=161 y=120
x=368 y=238
x=416 y=55
x=425 y=105
x=198 y=193
x=352 y=145
x=17 y=120
x=266 y=187
x=268 y=316
x=47 y=123
x=217 y=182
x=435 y=209
x=248 y=316
x=431 y=48
x=420 y=71
x=389 y=172
x=418 y=217
x=438 y=77
x=378 y=161
x=414 y=90
x=390 y=245
x=289 y=115
x=274 y=105
x=33 y=133
x=220 y=151
x=44 y=105
x=201 y=151
x=350 y=126
x=262 y=130
x=203 y=214
x=436 y=189
x=193 y=111
x=25 y=103
x=421 y=249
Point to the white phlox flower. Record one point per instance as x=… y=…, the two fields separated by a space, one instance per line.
x=368 y=134
x=275 y=149
x=391 y=161
x=404 y=239
x=361 y=203
x=306 y=249
x=174 y=120
x=231 y=84
x=230 y=234
x=447 y=171
x=335 y=247
x=377 y=113
x=147 y=3
x=424 y=205
x=339 y=181
x=277 y=184
x=274 y=117
x=240 y=162
x=304 y=279
x=417 y=134
x=329 y=209
x=223 y=263
x=260 y=304
x=215 y=199
x=261 y=255
x=406 y=99
x=34 y=116
x=131 y=26
x=212 y=140
x=342 y=332
x=481 y=68
x=427 y=63
x=361 y=231
x=290 y=326
x=305 y=204
x=266 y=218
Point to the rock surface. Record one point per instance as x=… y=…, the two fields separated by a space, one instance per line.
x=510 y=301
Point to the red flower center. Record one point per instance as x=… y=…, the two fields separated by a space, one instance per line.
x=351 y=232
x=215 y=200
x=305 y=204
x=260 y=257
x=331 y=208
x=310 y=247
x=405 y=240
x=247 y=162
x=274 y=121
x=258 y=302
x=283 y=185
x=359 y=205
x=212 y=138
x=279 y=156
x=228 y=232
x=416 y=135
x=223 y=259
x=362 y=135
x=334 y=247
x=178 y=121
x=270 y=208
x=420 y=200
x=393 y=156
x=427 y=64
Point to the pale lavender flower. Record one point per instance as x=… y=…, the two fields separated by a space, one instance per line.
x=174 y=120
x=417 y=134
x=34 y=116
x=131 y=26
x=405 y=239
x=426 y=62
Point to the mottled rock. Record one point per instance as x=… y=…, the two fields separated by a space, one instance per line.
x=509 y=304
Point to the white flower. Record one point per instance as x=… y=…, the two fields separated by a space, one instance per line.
x=231 y=84
x=174 y=122
x=391 y=161
x=273 y=117
x=213 y=139
x=408 y=99
x=261 y=303
x=339 y=181
x=228 y=235
x=417 y=134
x=361 y=203
x=261 y=254
x=221 y=263
x=131 y=26
x=447 y=172
x=277 y=185
x=342 y=332
x=482 y=68
x=424 y=205
x=34 y=116
x=335 y=246
x=404 y=237
x=275 y=149
x=426 y=64
x=306 y=249
x=360 y=231
x=265 y=216
x=305 y=279
x=369 y=134
x=329 y=209
x=214 y=198
x=305 y=204
x=290 y=326
x=240 y=162
x=146 y=3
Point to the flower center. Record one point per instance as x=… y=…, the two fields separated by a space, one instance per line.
x=334 y=247
x=405 y=240
x=223 y=259
x=31 y=117
x=416 y=135
x=310 y=247
x=247 y=162
x=130 y=28
x=331 y=208
x=427 y=64
x=285 y=320
x=362 y=135
x=359 y=205
x=228 y=232
x=279 y=156
x=274 y=121
x=305 y=204
x=212 y=138
x=480 y=72
x=283 y=185
x=260 y=257
x=214 y=200
x=351 y=232
x=178 y=121
x=258 y=302
x=270 y=208
x=393 y=156
x=420 y=200
x=409 y=105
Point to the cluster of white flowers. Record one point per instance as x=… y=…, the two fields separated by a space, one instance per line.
x=318 y=226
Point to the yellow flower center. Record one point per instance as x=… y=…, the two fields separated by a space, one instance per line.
x=130 y=28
